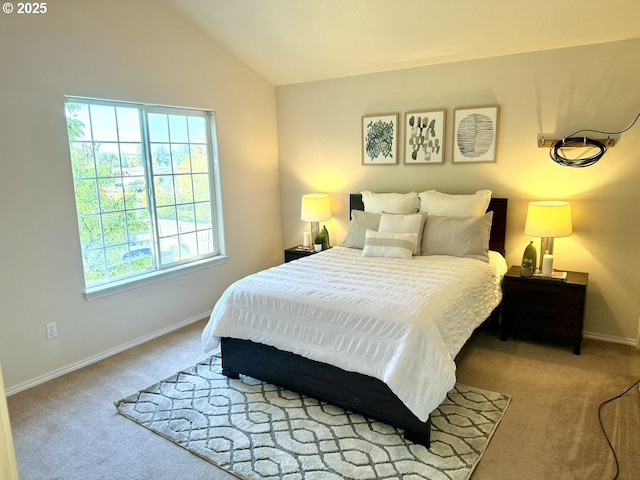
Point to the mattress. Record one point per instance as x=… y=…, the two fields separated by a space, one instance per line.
x=400 y=321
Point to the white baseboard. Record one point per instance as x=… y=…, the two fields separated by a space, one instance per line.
x=610 y=338
x=101 y=356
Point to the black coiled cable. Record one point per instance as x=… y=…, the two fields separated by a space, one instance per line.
x=555 y=155
x=573 y=141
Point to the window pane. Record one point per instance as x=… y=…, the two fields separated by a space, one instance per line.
x=188 y=246
x=170 y=249
x=163 y=185
x=135 y=192
x=203 y=215
x=161 y=158
x=174 y=249
x=205 y=241
x=180 y=158
x=178 y=129
x=95 y=266
x=167 y=221
x=186 y=218
x=82 y=158
x=199 y=159
x=158 y=128
x=91 y=232
x=139 y=229
x=132 y=160
x=128 y=124
x=201 y=189
x=78 y=122
x=139 y=259
x=87 y=192
x=113 y=232
x=117 y=264
x=111 y=195
x=197 y=130
x=107 y=159
x=184 y=189
x=103 y=123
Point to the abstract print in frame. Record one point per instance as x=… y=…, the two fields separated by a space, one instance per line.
x=475 y=134
x=424 y=137
x=380 y=139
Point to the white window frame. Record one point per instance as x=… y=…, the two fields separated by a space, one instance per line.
x=185 y=266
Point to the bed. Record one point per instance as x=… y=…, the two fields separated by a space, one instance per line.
x=310 y=326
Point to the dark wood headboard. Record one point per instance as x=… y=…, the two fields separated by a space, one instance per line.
x=497 y=239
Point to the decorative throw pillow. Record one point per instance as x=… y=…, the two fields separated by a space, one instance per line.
x=458 y=236
x=399 y=203
x=404 y=224
x=360 y=223
x=389 y=245
x=446 y=205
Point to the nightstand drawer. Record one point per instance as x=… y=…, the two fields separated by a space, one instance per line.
x=556 y=310
x=550 y=308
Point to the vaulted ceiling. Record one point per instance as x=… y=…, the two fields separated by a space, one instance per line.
x=293 y=41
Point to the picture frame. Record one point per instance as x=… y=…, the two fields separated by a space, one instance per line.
x=424 y=137
x=380 y=139
x=475 y=134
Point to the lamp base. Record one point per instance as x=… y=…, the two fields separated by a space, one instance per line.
x=546 y=246
x=315 y=231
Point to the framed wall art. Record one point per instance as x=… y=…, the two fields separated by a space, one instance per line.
x=380 y=139
x=424 y=137
x=475 y=132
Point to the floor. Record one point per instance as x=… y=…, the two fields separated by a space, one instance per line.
x=68 y=428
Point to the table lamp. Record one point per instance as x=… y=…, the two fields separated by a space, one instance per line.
x=316 y=207
x=548 y=220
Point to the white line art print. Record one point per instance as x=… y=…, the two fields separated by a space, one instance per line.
x=475 y=135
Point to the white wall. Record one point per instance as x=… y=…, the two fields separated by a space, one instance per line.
x=555 y=92
x=127 y=50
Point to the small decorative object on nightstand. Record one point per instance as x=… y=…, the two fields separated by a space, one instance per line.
x=294 y=253
x=545 y=307
x=529 y=261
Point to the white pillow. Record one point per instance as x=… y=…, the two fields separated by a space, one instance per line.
x=400 y=203
x=404 y=224
x=446 y=205
x=458 y=236
x=389 y=245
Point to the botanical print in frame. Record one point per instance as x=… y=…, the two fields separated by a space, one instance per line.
x=380 y=139
x=424 y=137
x=475 y=133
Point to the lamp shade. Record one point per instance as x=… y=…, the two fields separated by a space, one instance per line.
x=549 y=219
x=316 y=207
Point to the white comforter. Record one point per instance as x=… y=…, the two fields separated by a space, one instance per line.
x=401 y=321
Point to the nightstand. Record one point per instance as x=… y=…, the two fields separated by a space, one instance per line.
x=550 y=308
x=293 y=253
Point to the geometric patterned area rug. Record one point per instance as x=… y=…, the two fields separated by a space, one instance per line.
x=256 y=430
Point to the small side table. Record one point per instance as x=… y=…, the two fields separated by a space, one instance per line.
x=294 y=253
x=551 y=308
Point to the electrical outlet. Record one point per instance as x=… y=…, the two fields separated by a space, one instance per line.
x=52 y=330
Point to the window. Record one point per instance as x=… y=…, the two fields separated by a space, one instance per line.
x=144 y=187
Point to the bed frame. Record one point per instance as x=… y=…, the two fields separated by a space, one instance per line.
x=352 y=391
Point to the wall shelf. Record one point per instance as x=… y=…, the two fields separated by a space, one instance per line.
x=547 y=141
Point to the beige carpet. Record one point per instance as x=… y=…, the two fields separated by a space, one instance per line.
x=68 y=429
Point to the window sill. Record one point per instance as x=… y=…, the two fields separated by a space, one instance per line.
x=102 y=291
